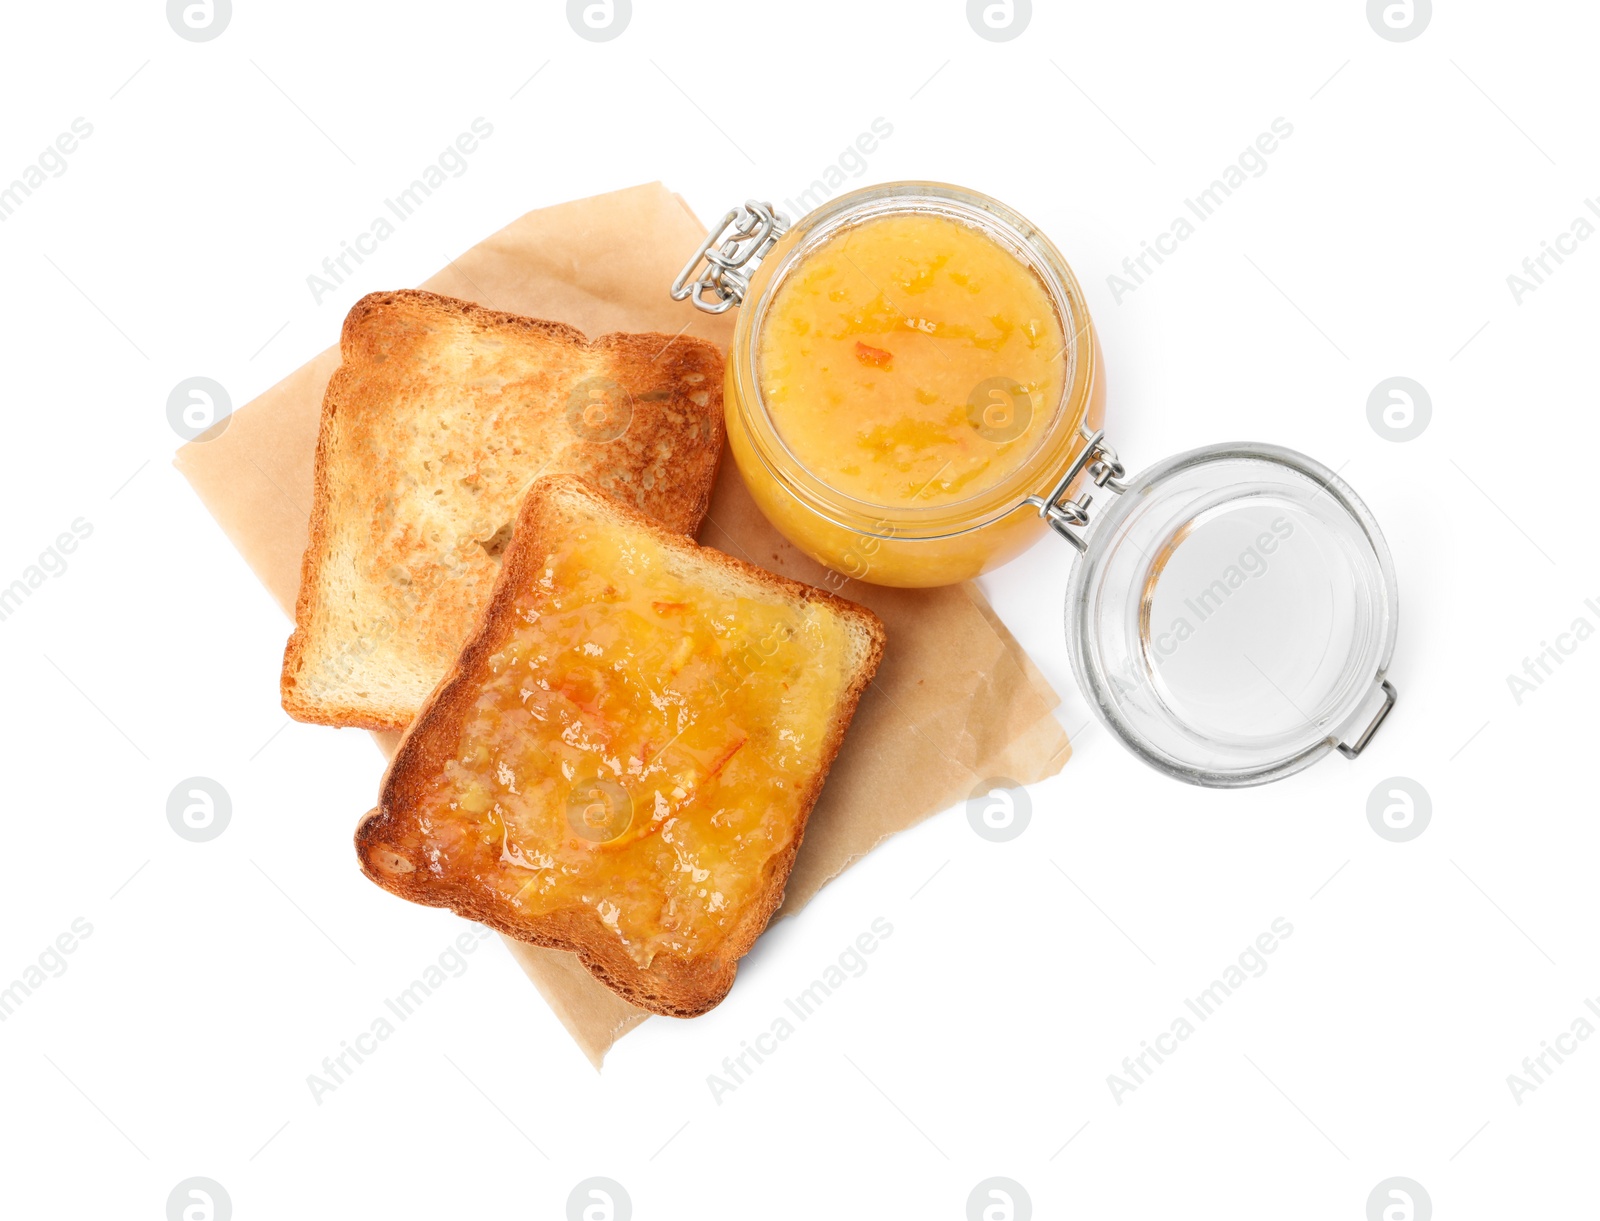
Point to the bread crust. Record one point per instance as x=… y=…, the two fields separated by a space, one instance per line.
x=674 y=985
x=674 y=388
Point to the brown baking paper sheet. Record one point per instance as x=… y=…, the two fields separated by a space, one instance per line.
x=956 y=700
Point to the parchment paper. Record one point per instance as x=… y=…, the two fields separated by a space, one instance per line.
x=956 y=700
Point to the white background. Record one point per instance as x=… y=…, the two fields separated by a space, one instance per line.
x=978 y=1042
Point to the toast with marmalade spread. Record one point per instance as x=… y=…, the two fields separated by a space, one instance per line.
x=623 y=759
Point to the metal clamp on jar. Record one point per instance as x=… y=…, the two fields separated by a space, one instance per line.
x=1232 y=611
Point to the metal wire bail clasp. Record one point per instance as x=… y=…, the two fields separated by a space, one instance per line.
x=1065 y=513
x=731 y=251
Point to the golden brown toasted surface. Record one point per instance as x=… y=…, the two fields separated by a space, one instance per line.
x=439 y=418
x=624 y=758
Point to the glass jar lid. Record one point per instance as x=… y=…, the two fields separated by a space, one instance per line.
x=1232 y=615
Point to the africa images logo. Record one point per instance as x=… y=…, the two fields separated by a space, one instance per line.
x=599 y=20
x=199 y=20
x=999 y=20
x=199 y=1199
x=599 y=1199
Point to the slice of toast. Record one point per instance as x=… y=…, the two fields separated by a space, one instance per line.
x=438 y=420
x=622 y=762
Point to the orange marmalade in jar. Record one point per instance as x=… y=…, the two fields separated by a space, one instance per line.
x=911 y=373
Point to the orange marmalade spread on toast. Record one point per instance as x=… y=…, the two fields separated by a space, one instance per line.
x=911 y=360
x=642 y=742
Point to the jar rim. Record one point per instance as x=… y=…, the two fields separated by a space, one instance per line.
x=1051 y=451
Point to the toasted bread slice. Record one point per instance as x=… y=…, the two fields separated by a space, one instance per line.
x=438 y=420
x=622 y=762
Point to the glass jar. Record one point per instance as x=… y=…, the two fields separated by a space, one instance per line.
x=1233 y=615
x=1232 y=612
x=898 y=543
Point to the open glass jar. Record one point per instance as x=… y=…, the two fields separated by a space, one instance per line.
x=1008 y=438
x=1232 y=612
